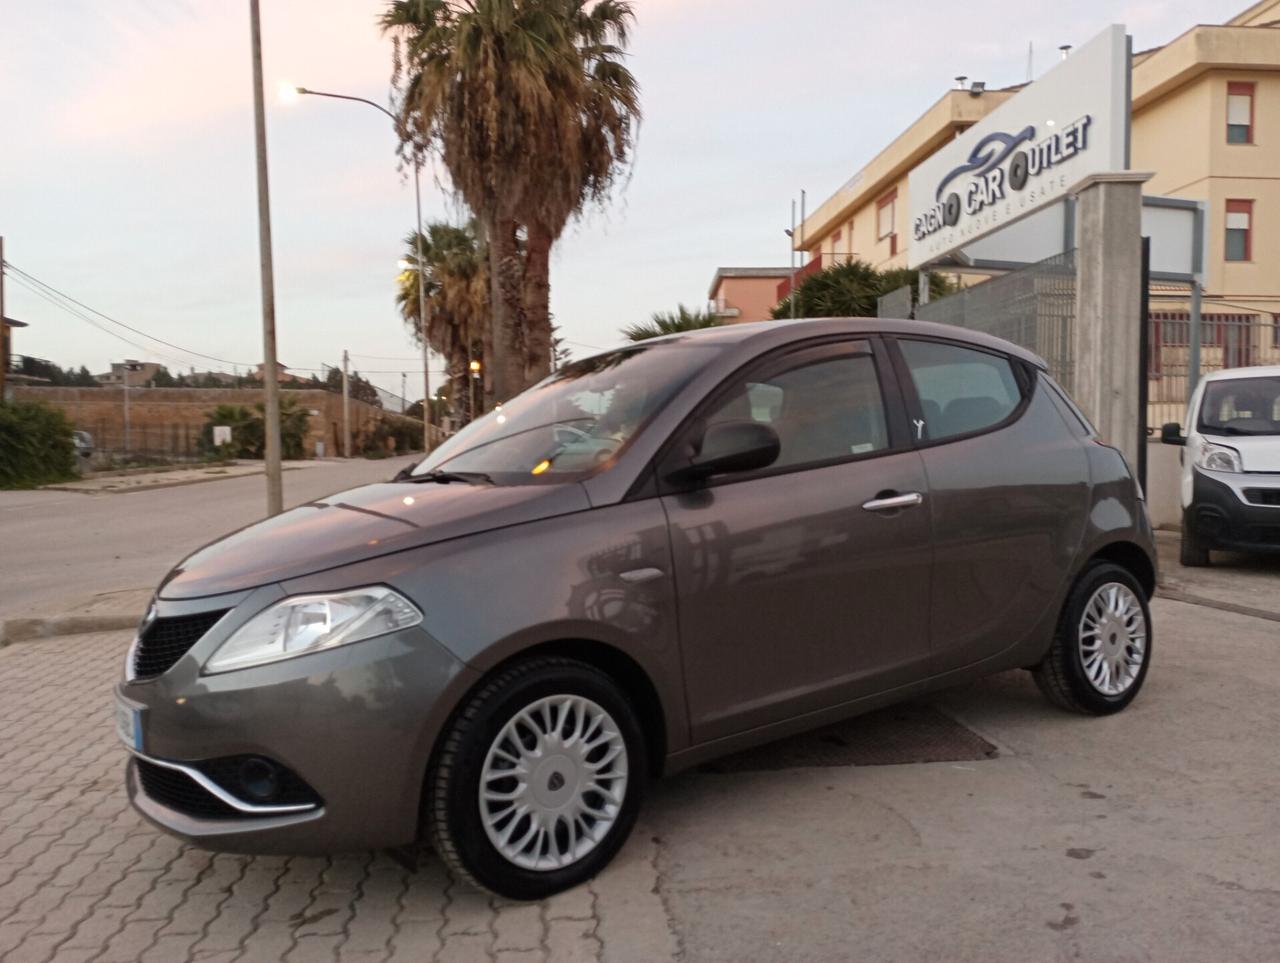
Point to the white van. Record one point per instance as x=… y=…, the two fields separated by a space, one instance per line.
x=1231 y=467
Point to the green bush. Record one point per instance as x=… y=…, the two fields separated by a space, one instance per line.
x=406 y=434
x=35 y=445
x=248 y=438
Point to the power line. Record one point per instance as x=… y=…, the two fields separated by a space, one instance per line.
x=88 y=320
x=66 y=297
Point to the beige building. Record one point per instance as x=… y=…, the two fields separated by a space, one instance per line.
x=746 y=294
x=1206 y=121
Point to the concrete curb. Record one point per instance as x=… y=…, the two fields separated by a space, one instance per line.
x=26 y=630
x=151 y=488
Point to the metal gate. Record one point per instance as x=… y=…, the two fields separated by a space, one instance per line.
x=1034 y=307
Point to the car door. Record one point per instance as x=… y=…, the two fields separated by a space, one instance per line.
x=1008 y=494
x=805 y=584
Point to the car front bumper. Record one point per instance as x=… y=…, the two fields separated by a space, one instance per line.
x=355 y=724
x=1220 y=517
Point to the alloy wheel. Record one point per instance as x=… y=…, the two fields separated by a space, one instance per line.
x=1112 y=638
x=553 y=783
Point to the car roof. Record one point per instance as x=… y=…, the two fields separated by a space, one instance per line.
x=1256 y=371
x=797 y=329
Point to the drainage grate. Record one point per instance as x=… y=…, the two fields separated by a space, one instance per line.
x=907 y=733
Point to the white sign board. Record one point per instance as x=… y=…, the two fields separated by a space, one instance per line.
x=222 y=434
x=1027 y=153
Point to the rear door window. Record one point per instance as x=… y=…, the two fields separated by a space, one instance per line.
x=961 y=390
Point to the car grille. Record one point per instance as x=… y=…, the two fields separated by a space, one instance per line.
x=166 y=640
x=181 y=793
x=1262 y=496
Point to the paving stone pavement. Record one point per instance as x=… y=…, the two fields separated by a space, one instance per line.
x=82 y=877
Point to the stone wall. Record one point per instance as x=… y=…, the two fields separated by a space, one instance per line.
x=167 y=421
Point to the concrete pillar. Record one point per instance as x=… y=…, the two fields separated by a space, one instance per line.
x=1106 y=370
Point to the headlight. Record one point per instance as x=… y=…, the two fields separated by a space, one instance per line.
x=1213 y=457
x=311 y=623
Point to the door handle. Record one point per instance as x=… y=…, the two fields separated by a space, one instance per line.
x=637 y=575
x=890 y=503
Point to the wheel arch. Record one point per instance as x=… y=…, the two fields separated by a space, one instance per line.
x=618 y=665
x=1130 y=556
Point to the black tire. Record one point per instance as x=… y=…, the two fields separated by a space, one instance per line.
x=1061 y=676
x=1192 y=554
x=454 y=821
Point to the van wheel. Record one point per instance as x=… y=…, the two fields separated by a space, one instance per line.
x=1102 y=647
x=1192 y=554
x=538 y=780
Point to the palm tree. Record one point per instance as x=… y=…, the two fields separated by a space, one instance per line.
x=532 y=112
x=457 y=287
x=600 y=114
x=851 y=289
x=670 y=322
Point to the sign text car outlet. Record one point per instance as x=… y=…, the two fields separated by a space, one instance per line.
x=991 y=180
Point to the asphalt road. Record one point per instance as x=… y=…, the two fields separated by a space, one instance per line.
x=62 y=547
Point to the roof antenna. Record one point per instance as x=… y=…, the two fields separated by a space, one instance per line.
x=1066 y=49
x=960 y=81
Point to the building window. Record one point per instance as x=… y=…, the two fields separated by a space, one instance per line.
x=1240 y=113
x=1239 y=230
x=885 y=210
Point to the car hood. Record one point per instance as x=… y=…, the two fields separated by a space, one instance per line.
x=1260 y=453
x=360 y=524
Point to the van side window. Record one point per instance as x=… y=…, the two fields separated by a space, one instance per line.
x=961 y=390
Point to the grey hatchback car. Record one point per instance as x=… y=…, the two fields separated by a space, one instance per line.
x=657 y=555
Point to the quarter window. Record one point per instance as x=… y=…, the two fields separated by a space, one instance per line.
x=961 y=390
x=1240 y=113
x=1239 y=231
x=823 y=410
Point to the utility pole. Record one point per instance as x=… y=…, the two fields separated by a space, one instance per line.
x=346 y=409
x=124 y=380
x=270 y=371
x=404 y=399
x=422 y=309
x=4 y=329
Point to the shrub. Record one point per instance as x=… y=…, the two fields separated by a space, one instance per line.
x=248 y=436
x=35 y=445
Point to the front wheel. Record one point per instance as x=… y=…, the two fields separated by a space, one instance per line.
x=1192 y=554
x=1102 y=648
x=538 y=781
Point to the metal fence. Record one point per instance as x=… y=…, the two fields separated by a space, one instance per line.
x=1034 y=307
x=1229 y=338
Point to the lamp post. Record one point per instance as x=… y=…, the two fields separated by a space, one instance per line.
x=270 y=372
x=474 y=367
x=422 y=293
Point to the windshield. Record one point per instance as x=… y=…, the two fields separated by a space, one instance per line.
x=1241 y=406
x=573 y=422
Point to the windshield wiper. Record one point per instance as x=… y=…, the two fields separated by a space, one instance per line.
x=444 y=477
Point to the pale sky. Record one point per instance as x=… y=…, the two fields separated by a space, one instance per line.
x=127 y=164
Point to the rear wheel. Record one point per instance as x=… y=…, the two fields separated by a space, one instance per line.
x=1192 y=554
x=1102 y=648
x=539 y=779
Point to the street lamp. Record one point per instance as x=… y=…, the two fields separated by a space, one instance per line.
x=294 y=92
x=475 y=376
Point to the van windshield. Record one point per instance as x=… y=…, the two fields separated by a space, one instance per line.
x=574 y=422
x=1241 y=406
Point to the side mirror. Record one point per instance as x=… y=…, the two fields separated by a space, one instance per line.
x=1171 y=434
x=732 y=446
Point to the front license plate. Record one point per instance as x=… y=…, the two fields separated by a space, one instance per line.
x=129 y=723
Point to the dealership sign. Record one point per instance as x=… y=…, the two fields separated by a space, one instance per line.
x=1027 y=153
